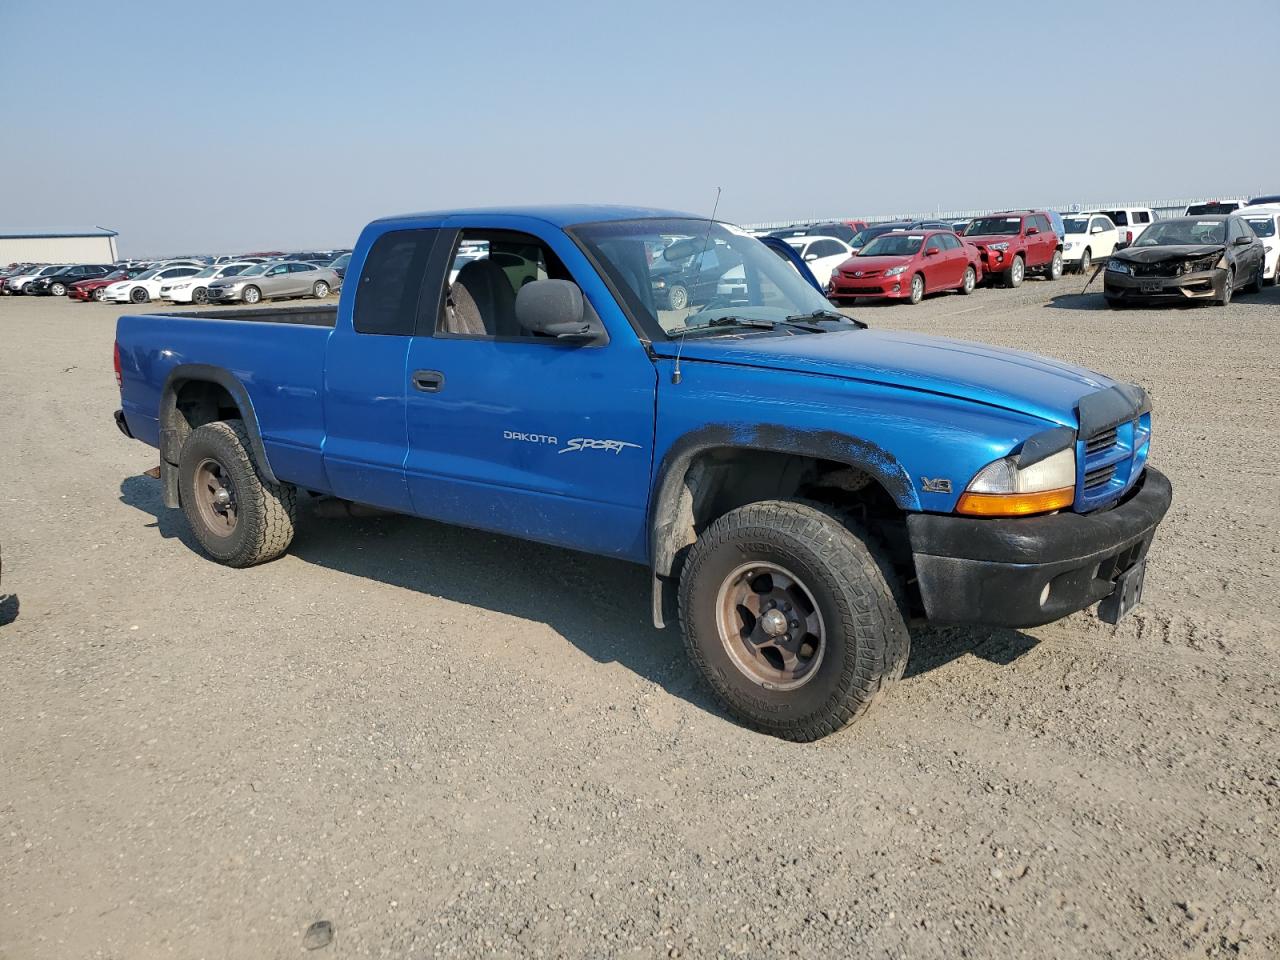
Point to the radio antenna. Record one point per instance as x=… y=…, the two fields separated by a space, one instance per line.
x=697 y=275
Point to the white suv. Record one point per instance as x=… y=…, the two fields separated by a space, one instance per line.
x=1129 y=221
x=1090 y=237
x=1265 y=222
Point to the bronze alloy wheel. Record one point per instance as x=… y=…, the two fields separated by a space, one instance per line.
x=770 y=626
x=216 y=498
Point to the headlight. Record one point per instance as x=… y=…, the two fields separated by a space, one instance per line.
x=894 y=271
x=1119 y=266
x=1203 y=263
x=1001 y=489
x=1001 y=246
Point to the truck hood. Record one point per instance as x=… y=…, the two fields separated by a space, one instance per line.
x=1009 y=379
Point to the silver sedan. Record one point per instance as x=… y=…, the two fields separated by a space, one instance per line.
x=270 y=281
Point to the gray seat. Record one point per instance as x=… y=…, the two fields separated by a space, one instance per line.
x=482 y=302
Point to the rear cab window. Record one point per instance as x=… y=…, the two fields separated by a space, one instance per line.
x=395 y=287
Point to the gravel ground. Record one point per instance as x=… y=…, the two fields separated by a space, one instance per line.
x=450 y=743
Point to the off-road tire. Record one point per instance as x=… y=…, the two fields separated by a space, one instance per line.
x=1016 y=273
x=265 y=511
x=851 y=581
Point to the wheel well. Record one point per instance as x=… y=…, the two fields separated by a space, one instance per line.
x=718 y=480
x=199 y=402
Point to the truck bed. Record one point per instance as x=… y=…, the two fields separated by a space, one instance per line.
x=317 y=316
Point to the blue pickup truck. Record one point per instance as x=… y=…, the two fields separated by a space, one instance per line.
x=801 y=487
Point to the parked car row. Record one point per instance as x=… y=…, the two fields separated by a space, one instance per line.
x=249 y=279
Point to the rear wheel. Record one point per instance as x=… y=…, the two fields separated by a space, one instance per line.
x=1016 y=273
x=677 y=297
x=788 y=614
x=917 y=288
x=1259 y=278
x=1086 y=260
x=320 y=290
x=969 y=282
x=1054 y=270
x=239 y=518
x=252 y=294
x=139 y=295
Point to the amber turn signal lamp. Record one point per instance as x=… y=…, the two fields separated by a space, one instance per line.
x=1015 y=504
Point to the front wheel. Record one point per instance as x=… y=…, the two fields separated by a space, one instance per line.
x=200 y=295
x=58 y=289
x=100 y=294
x=320 y=290
x=1016 y=273
x=1054 y=270
x=677 y=297
x=239 y=518
x=139 y=295
x=251 y=294
x=917 y=289
x=1228 y=288
x=787 y=612
x=1086 y=260
x=969 y=282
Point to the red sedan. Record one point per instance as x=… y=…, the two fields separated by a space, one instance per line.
x=92 y=289
x=906 y=265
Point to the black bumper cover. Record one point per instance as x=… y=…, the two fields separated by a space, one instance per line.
x=992 y=572
x=123 y=424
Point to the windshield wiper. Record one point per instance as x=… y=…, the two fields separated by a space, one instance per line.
x=826 y=315
x=727 y=323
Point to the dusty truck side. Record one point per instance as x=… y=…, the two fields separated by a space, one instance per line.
x=800 y=487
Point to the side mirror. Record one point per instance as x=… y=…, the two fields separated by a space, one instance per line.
x=557 y=308
x=1097 y=230
x=932 y=252
x=1243 y=241
x=810 y=257
x=1032 y=231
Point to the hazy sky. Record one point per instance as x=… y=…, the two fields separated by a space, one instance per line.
x=233 y=126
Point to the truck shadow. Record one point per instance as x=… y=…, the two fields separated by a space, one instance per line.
x=599 y=605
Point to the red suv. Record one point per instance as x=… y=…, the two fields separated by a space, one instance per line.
x=907 y=264
x=1016 y=243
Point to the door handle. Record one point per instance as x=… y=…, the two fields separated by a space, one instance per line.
x=428 y=381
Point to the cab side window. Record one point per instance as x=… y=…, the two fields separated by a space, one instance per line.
x=487 y=271
x=1141 y=216
x=393 y=283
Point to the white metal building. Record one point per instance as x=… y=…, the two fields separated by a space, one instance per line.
x=85 y=245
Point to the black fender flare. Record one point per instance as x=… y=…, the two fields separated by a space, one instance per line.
x=172 y=434
x=676 y=486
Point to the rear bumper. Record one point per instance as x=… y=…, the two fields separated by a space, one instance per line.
x=1206 y=285
x=994 y=572
x=123 y=424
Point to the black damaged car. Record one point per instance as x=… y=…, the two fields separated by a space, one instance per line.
x=1187 y=258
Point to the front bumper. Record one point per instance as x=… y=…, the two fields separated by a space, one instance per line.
x=1205 y=285
x=75 y=293
x=222 y=296
x=894 y=287
x=994 y=572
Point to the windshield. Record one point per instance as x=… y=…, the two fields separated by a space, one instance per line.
x=1076 y=224
x=1188 y=231
x=994 y=226
x=893 y=245
x=50 y=270
x=672 y=292
x=1200 y=209
x=207 y=272
x=1262 y=226
x=865 y=236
